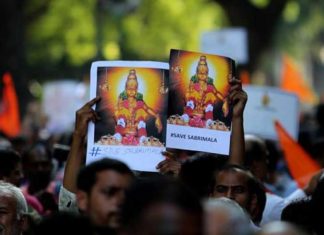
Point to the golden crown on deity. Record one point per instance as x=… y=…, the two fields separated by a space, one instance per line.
x=202 y=64
x=202 y=60
x=132 y=75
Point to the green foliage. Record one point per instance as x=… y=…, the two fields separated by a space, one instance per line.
x=260 y=3
x=66 y=30
x=157 y=26
x=74 y=32
x=301 y=24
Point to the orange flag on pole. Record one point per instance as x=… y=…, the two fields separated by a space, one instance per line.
x=9 y=109
x=292 y=81
x=301 y=166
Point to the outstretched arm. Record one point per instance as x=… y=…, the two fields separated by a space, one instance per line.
x=238 y=98
x=76 y=157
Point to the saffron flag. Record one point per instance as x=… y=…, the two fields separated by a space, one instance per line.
x=9 y=109
x=292 y=81
x=301 y=166
x=245 y=77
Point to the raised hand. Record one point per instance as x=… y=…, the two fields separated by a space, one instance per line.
x=237 y=98
x=84 y=115
x=169 y=166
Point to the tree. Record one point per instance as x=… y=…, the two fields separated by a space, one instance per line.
x=260 y=21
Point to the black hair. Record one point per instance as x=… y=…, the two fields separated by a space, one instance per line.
x=255 y=150
x=317 y=207
x=317 y=150
x=320 y=115
x=299 y=213
x=64 y=223
x=35 y=147
x=88 y=174
x=144 y=193
x=197 y=172
x=307 y=213
x=8 y=161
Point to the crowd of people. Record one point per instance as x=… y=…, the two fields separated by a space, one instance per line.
x=47 y=189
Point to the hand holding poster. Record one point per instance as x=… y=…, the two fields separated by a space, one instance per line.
x=200 y=116
x=133 y=112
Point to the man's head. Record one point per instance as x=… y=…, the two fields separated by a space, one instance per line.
x=101 y=187
x=256 y=156
x=161 y=205
x=37 y=163
x=197 y=172
x=13 y=208
x=225 y=216
x=10 y=167
x=238 y=184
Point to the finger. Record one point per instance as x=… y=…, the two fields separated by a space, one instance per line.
x=234 y=80
x=165 y=169
x=86 y=116
x=170 y=168
x=234 y=99
x=235 y=96
x=162 y=169
x=93 y=101
x=231 y=95
x=168 y=163
x=96 y=115
x=160 y=164
x=88 y=105
x=169 y=154
x=236 y=87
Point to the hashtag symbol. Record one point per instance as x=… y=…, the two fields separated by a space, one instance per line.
x=94 y=151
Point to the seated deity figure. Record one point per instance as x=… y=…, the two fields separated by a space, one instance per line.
x=132 y=112
x=201 y=96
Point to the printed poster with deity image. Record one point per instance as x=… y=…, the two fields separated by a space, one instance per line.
x=199 y=115
x=133 y=111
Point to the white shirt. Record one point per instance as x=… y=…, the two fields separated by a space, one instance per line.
x=67 y=201
x=275 y=205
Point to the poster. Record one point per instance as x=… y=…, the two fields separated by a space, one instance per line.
x=267 y=104
x=199 y=115
x=62 y=117
x=232 y=42
x=133 y=109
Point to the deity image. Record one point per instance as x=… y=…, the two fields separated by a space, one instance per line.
x=130 y=114
x=200 y=97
